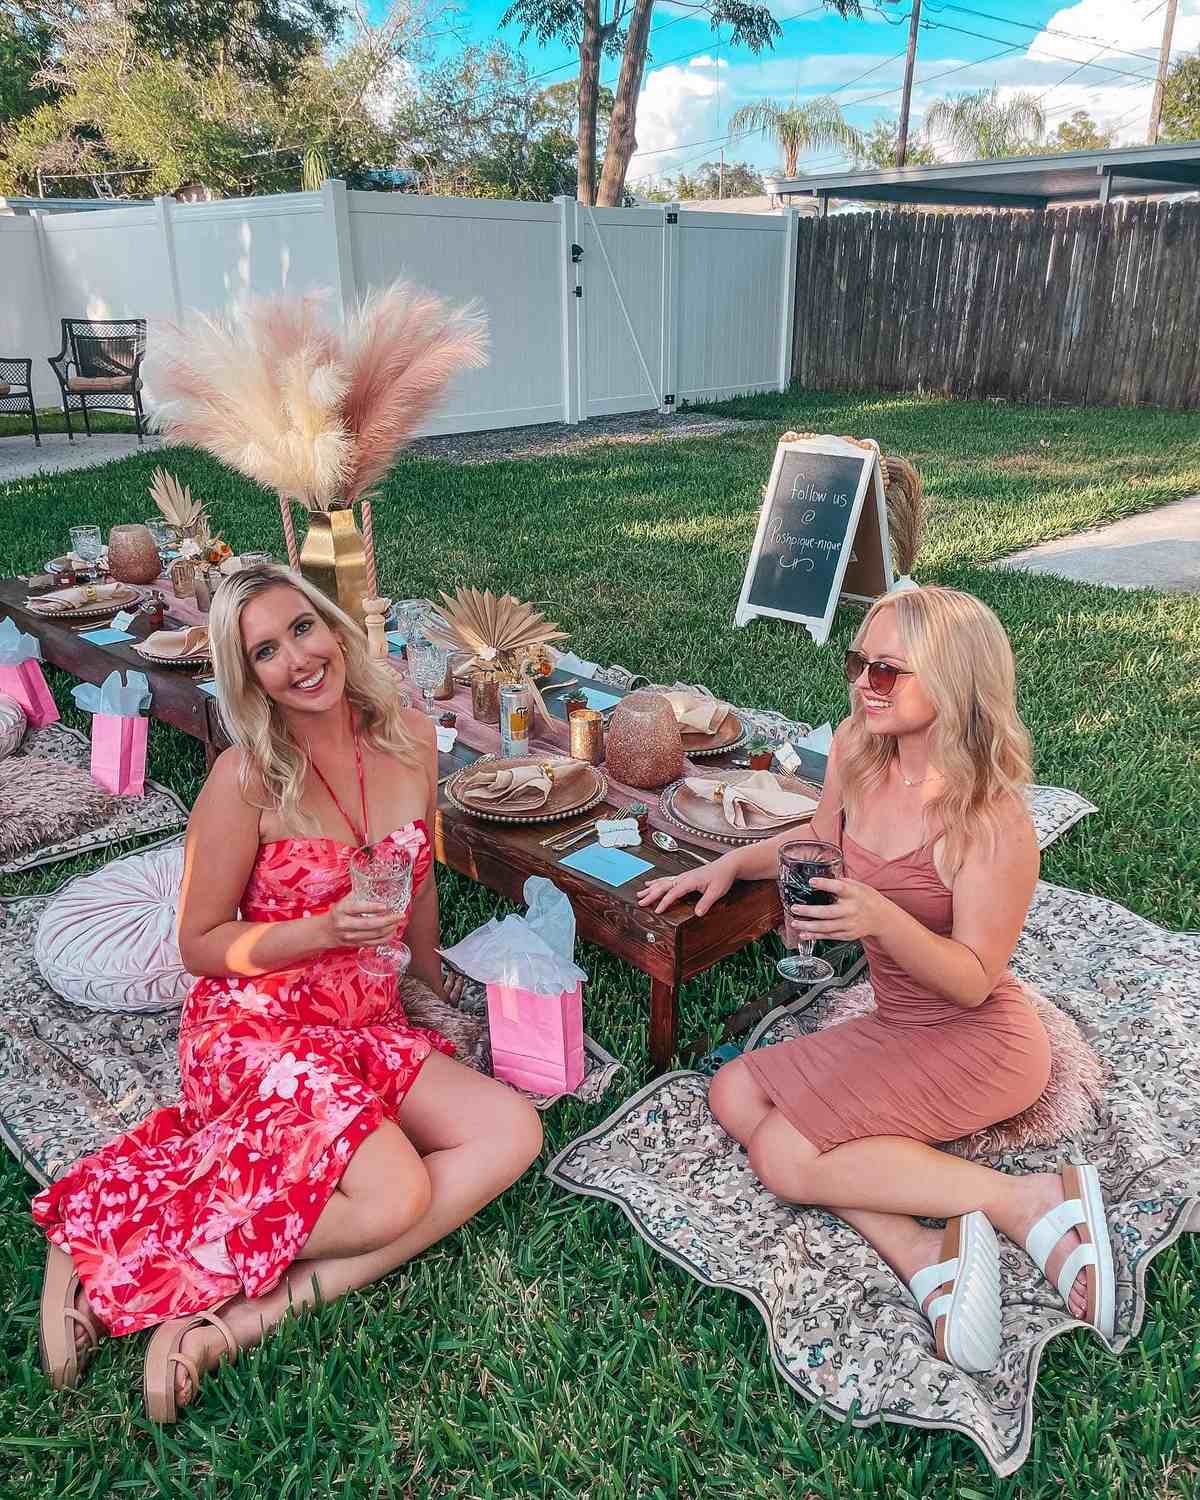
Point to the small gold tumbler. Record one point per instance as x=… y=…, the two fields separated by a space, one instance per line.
x=587 y=735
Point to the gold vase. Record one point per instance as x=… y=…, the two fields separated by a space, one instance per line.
x=333 y=558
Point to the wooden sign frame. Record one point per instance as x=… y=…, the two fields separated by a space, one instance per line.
x=869 y=509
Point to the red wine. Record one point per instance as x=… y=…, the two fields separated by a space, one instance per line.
x=794 y=887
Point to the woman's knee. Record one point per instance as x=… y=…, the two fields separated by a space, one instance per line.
x=393 y=1194
x=520 y=1129
x=780 y=1158
x=736 y=1100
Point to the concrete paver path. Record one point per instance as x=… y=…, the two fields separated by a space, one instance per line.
x=1158 y=550
x=20 y=456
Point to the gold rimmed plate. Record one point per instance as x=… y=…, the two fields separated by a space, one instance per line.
x=171 y=661
x=93 y=611
x=728 y=735
x=702 y=815
x=580 y=793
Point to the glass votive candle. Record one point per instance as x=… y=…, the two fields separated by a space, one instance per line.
x=485 y=698
x=587 y=736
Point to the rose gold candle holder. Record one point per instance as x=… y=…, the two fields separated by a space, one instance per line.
x=587 y=735
x=485 y=698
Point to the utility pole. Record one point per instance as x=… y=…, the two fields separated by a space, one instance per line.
x=721 y=175
x=1164 y=57
x=914 y=22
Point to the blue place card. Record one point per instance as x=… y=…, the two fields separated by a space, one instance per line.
x=396 y=642
x=105 y=636
x=612 y=866
x=208 y=687
x=597 y=698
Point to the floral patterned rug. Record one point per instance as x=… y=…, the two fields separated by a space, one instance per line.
x=159 y=811
x=71 y=1079
x=841 y=1328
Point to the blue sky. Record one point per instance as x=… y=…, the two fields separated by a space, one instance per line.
x=1097 y=55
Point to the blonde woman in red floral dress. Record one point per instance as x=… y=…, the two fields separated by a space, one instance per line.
x=321 y=1140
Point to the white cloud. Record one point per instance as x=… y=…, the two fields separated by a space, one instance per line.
x=678 y=106
x=1131 y=28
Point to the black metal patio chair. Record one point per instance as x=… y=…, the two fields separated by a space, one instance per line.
x=99 y=368
x=16 y=390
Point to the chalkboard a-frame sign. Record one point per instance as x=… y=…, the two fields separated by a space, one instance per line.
x=822 y=534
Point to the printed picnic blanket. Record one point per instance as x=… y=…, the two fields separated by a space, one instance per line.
x=841 y=1328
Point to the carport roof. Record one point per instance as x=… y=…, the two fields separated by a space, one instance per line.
x=1015 y=182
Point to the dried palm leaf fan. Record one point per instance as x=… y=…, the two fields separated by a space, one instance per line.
x=500 y=636
x=175 y=502
x=904 y=495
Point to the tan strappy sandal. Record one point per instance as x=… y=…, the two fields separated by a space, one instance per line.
x=164 y=1353
x=62 y=1358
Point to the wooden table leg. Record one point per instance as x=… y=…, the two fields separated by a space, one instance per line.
x=664 y=1021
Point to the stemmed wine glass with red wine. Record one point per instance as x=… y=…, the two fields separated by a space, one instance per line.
x=799 y=862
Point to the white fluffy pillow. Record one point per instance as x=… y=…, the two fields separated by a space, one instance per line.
x=107 y=941
x=13 y=724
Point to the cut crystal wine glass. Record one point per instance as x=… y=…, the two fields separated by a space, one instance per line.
x=383 y=873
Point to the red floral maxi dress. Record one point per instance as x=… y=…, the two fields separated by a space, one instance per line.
x=283 y=1077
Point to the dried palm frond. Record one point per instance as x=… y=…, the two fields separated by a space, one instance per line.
x=402 y=348
x=263 y=394
x=175 y=501
x=498 y=634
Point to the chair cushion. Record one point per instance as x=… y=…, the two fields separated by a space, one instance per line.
x=13 y=722
x=86 y=384
x=107 y=941
x=4 y=388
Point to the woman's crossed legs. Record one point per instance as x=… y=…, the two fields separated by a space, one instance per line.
x=878 y=1184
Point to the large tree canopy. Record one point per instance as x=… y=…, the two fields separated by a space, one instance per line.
x=1181 y=101
x=263 y=40
x=622 y=28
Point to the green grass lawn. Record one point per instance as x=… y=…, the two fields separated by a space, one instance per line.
x=546 y=1349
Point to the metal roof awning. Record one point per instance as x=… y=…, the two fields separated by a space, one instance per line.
x=1015 y=182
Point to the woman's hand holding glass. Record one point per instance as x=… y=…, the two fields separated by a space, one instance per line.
x=857 y=912
x=708 y=883
x=355 y=923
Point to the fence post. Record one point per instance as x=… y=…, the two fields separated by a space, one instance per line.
x=670 y=309
x=50 y=309
x=787 y=322
x=569 y=304
x=336 y=207
x=165 y=205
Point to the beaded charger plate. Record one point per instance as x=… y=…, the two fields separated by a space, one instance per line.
x=173 y=661
x=580 y=794
x=704 y=816
x=728 y=736
x=109 y=606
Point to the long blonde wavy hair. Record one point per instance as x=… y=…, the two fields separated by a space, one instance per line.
x=253 y=720
x=959 y=650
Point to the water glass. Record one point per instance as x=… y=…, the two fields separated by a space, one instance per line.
x=799 y=862
x=163 y=536
x=427 y=663
x=383 y=873
x=86 y=543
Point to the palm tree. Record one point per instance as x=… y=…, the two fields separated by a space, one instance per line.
x=980 y=127
x=798 y=127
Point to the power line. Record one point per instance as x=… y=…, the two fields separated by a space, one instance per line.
x=1050 y=56
x=1072 y=36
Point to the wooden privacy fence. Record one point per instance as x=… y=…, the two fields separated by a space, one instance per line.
x=1088 y=304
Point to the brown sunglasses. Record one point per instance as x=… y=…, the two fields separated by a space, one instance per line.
x=881 y=675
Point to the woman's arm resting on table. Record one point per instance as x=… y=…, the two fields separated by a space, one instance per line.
x=221 y=847
x=991 y=891
x=758 y=861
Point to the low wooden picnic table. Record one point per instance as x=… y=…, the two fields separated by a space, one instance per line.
x=670 y=947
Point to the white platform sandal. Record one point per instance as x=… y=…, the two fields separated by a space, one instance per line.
x=1083 y=1210
x=965 y=1313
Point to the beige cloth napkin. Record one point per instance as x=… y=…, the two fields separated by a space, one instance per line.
x=757 y=802
x=700 y=715
x=520 y=788
x=78 y=597
x=179 y=643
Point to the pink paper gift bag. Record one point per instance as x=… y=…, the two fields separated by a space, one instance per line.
x=537 y=1040
x=119 y=753
x=27 y=685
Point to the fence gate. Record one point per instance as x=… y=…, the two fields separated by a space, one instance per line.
x=672 y=306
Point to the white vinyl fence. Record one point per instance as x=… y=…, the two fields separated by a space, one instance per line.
x=590 y=311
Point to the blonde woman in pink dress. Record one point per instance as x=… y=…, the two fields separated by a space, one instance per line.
x=321 y=1140
x=939 y=858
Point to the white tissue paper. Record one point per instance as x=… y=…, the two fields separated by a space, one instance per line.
x=533 y=952
x=446 y=737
